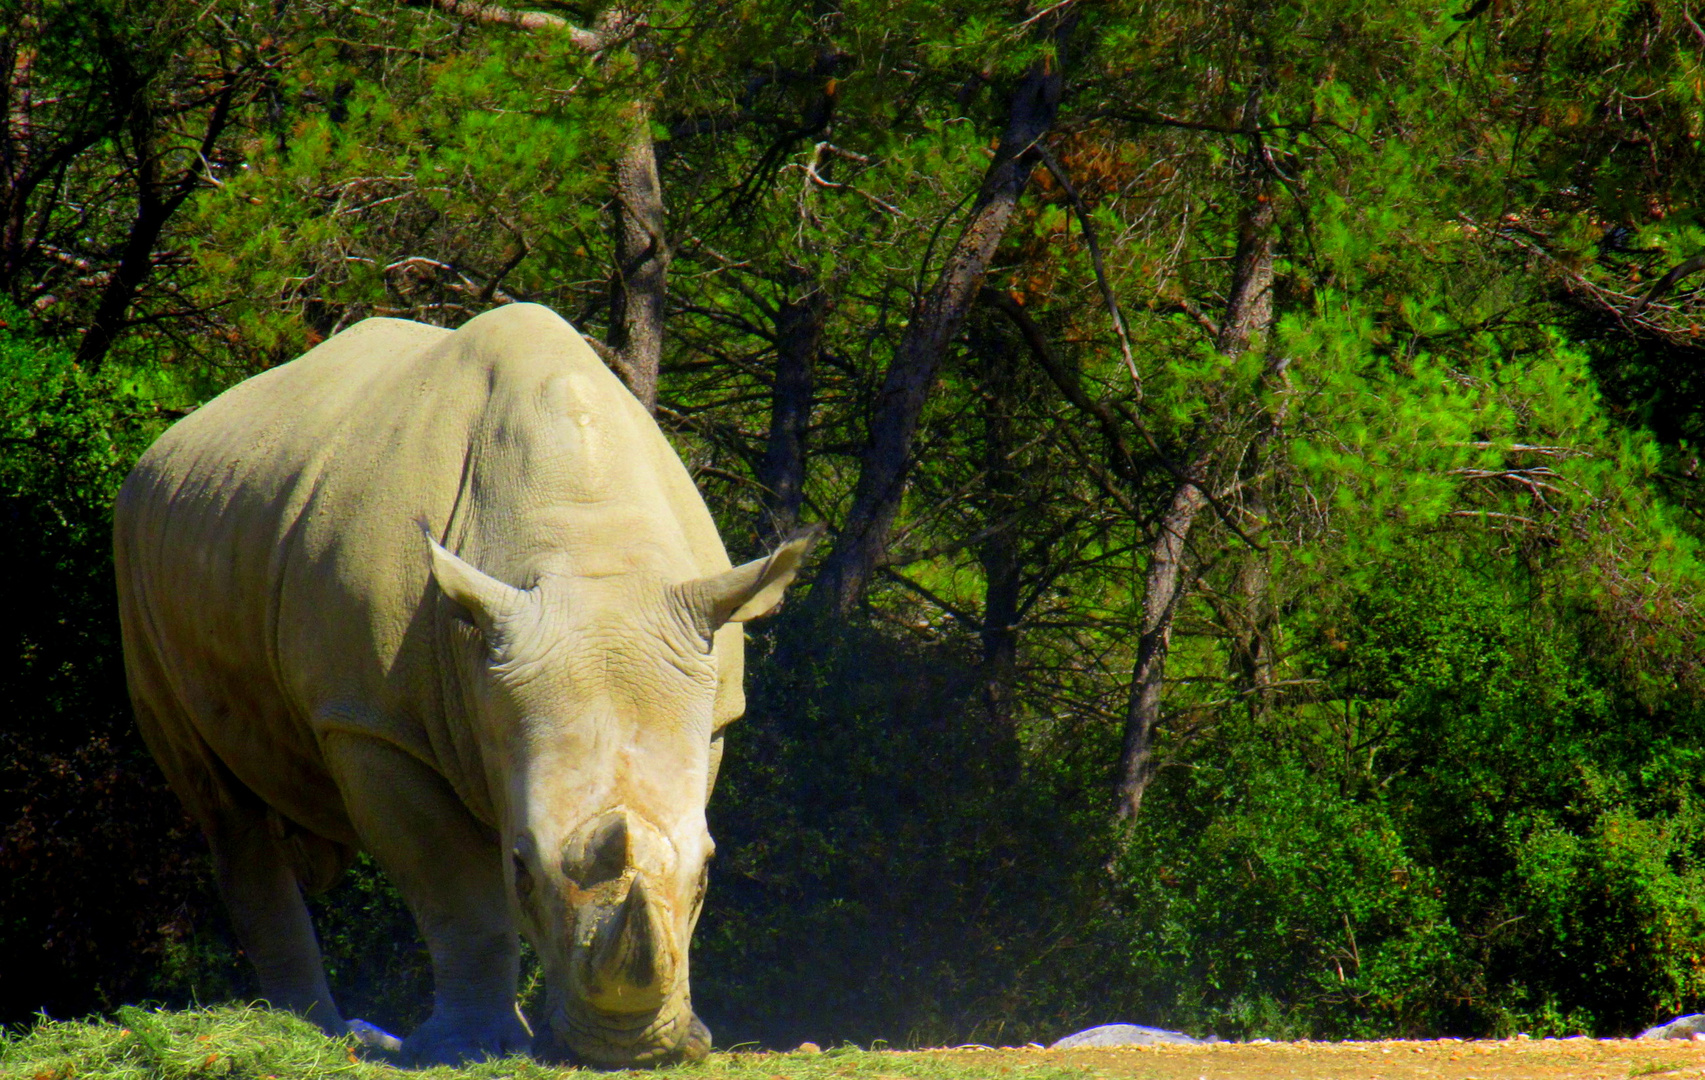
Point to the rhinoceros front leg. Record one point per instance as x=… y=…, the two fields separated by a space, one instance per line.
x=450 y=872
x=267 y=912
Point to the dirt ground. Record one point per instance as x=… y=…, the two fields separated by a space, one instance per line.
x=1530 y=1059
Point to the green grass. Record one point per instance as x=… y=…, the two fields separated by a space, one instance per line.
x=253 y=1043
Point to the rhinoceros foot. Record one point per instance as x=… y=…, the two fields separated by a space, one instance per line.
x=457 y=1040
x=696 y=1046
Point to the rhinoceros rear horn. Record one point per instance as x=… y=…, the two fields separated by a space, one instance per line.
x=752 y=590
x=486 y=599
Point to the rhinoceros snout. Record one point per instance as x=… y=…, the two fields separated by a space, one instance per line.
x=620 y=996
x=673 y=1036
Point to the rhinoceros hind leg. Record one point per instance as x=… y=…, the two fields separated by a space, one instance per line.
x=255 y=873
x=267 y=912
x=449 y=870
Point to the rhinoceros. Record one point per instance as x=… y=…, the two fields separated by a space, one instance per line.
x=449 y=598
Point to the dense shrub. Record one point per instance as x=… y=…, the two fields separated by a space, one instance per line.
x=884 y=870
x=1482 y=831
x=100 y=877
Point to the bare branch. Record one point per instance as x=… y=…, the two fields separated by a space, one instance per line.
x=1492 y=514
x=965 y=617
x=1699 y=33
x=1066 y=381
x=1664 y=284
x=492 y=14
x=614 y=26
x=1107 y=296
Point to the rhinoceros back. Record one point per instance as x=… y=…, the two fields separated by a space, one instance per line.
x=273 y=579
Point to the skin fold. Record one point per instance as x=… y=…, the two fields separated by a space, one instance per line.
x=449 y=598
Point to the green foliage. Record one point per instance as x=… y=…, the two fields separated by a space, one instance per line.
x=1477 y=828
x=96 y=865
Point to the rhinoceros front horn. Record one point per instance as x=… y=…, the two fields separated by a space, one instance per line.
x=623 y=963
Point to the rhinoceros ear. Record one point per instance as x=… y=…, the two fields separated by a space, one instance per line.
x=754 y=589
x=484 y=597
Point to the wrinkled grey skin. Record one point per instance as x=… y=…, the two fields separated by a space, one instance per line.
x=518 y=713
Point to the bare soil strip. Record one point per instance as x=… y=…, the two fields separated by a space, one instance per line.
x=1552 y=1059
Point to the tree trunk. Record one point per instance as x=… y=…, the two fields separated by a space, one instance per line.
x=799 y=331
x=999 y=556
x=639 y=292
x=999 y=552
x=1249 y=311
x=1253 y=617
x=1163 y=586
x=134 y=265
x=639 y=288
x=15 y=151
x=1249 y=305
x=156 y=202
x=31 y=153
x=136 y=259
x=887 y=459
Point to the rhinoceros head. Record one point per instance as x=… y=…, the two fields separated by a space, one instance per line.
x=600 y=692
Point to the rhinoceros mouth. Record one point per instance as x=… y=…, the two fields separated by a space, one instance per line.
x=616 y=1041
